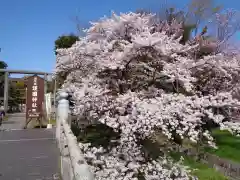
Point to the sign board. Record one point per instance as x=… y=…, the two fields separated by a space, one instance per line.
x=48 y=104
x=35 y=96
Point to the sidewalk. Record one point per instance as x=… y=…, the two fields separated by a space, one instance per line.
x=30 y=154
x=14 y=121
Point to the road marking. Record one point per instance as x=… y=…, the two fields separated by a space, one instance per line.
x=13 y=129
x=20 y=140
x=23 y=129
x=36 y=157
x=34 y=174
x=40 y=157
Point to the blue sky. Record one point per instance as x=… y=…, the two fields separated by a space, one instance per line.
x=28 y=28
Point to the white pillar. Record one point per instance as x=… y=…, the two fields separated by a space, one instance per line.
x=6 y=83
x=62 y=111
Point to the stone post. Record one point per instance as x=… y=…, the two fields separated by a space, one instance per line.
x=62 y=112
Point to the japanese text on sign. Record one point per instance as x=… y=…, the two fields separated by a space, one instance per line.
x=34 y=95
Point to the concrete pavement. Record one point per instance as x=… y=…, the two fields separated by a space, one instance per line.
x=30 y=154
x=15 y=121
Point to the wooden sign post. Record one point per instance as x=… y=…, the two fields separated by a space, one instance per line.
x=34 y=99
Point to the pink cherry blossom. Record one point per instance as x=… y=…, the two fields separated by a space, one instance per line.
x=136 y=80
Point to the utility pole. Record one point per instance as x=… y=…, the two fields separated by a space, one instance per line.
x=6 y=83
x=54 y=98
x=45 y=84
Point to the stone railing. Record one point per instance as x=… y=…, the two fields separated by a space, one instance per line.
x=73 y=165
x=226 y=167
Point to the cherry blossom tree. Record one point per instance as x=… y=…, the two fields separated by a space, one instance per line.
x=227 y=24
x=137 y=78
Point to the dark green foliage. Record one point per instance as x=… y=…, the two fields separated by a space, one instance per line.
x=3 y=65
x=50 y=86
x=75 y=129
x=151 y=149
x=140 y=176
x=180 y=16
x=97 y=135
x=14 y=95
x=65 y=41
x=187 y=30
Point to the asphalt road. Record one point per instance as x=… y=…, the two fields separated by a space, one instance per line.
x=30 y=154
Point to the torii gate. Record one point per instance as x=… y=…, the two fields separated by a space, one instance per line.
x=6 y=82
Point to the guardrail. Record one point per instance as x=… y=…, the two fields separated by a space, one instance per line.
x=73 y=165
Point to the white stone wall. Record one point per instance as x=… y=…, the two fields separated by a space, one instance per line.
x=73 y=165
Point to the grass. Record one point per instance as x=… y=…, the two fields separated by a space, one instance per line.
x=5 y=118
x=200 y=170
x=53 y=121
x=228 y=148
x=228 y=145
x=44 y=125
